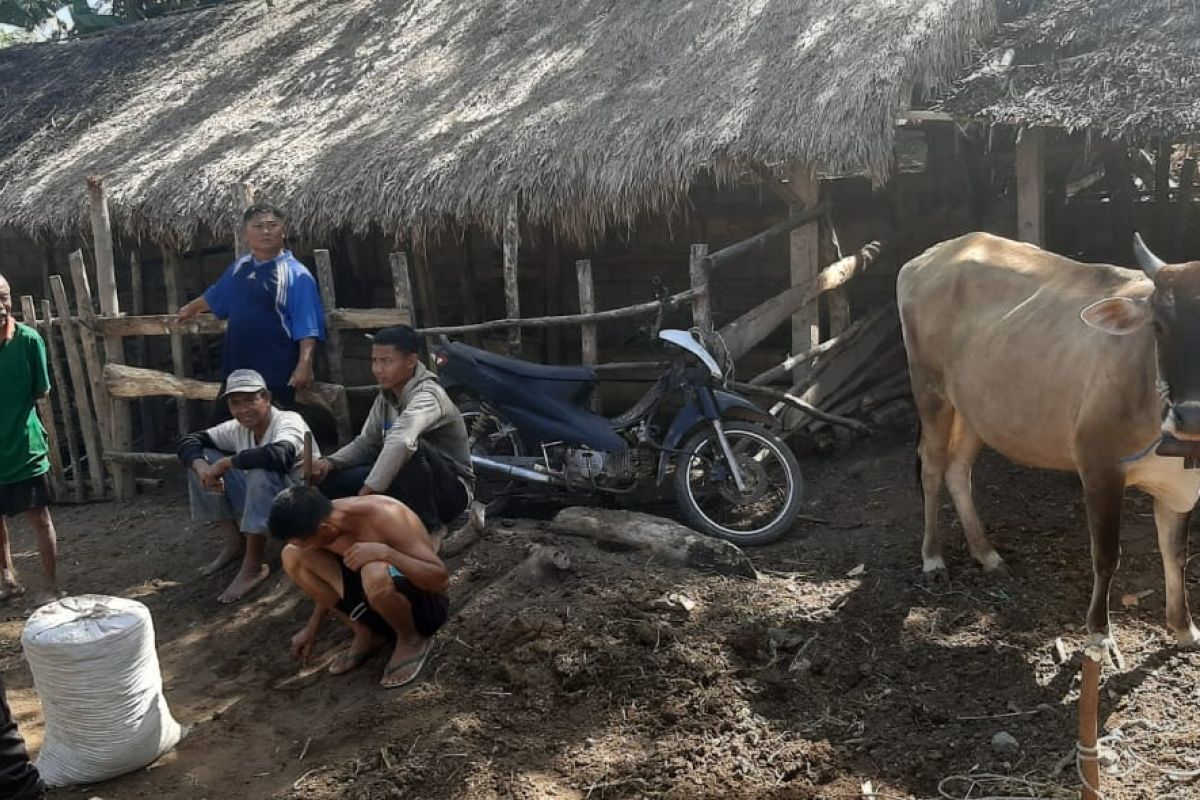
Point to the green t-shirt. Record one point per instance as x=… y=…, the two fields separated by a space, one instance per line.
x=23 y=378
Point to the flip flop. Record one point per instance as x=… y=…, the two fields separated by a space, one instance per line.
x=418 y=660
x=11 y=592
x=351 y=661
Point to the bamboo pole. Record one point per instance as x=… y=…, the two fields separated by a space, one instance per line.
x=64 y=403
x=402 y=285
x=121 y=420
x=333 y=342
x=587 y=309
x=91 y=353
x=45 y=409
x=171 y=269
x=83 y=407
x=512 y=296
x=1089 y=720
x=701 y=307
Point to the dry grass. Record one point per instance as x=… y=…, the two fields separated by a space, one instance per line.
x=412 y=114
x=1121 y=68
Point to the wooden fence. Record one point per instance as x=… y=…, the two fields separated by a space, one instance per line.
x=88 y=347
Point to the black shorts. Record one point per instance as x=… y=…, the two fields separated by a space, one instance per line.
x=27 y=495
x=429 y=609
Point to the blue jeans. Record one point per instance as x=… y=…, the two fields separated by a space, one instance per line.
x=247 y=498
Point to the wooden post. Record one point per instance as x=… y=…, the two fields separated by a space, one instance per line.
x=804 y=257
x=243 y=198
x=587 y=305
x=178 y=363
x=91 y=354
x=45 y=409
x=512 y=297
x=1031 y=188
x=106 y=273
x=75 y=361
x=402 y=284
x=701 y=307
x=1089 y=719
x=138 y=296
x=64 y=402
x=333 y=342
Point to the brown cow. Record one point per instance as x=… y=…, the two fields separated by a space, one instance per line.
x=1055 y=364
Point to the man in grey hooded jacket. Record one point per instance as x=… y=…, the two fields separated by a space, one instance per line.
x=413 y=446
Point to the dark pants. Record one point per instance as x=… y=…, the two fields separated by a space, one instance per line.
x=427 y=484
x=19 y=779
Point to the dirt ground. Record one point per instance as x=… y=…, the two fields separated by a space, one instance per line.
x=601 y=684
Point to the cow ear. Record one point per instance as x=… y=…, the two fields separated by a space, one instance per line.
x=1119 y=316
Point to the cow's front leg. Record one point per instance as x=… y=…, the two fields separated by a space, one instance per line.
x=1103 y=491
x=1173 y=545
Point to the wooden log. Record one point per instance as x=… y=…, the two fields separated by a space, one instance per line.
x=587 y=308
x=785 y=367
x=701 y=307
x=171 y=269
x=121 y=422
x=745 y=332
x=45 y=409
x=512 y=295
x=801 y=405
x=129 y=382
x=670 y=541
x=54 y=352
x=1031 y=186
x=1089 y=718
x=91 y=354
x=152 y=460
x=83 y=406
x=402 y=286
x=714 y=261
x=333 y=342
x=357 y=319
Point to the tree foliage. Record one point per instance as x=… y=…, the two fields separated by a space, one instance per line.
x=90 y=17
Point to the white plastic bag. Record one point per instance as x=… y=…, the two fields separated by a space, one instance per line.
x=96 y=671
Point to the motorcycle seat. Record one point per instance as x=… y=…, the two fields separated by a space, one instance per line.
x=528 y=369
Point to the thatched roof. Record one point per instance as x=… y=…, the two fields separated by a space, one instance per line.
x=1119 y=67
x=414 y=113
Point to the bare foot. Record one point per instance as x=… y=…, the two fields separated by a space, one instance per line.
x=227 y=556
x=10 y=590
x=366 y=644
x=405 y=664
x=244 y=583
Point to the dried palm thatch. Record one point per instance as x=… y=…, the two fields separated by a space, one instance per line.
x=412 y=114
x=1118 y=67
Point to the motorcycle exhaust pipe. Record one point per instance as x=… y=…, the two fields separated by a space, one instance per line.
x=512 y=471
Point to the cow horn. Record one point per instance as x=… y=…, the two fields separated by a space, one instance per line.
x=1149 y=262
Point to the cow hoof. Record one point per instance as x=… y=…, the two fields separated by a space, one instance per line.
x=938 y=576
x=1113 y=657
x=994 y=566
x=1188 y=639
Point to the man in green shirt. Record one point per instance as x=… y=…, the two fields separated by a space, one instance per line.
x=23 y=454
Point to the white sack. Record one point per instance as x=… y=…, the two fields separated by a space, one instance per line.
x=96 y=671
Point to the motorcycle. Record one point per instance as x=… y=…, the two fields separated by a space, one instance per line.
x=530 y=426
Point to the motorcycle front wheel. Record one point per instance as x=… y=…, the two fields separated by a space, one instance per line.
x=490 y=436
x=710 y=500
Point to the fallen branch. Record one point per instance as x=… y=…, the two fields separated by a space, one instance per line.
x=674 y=543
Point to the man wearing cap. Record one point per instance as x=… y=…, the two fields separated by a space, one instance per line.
x=273 y=307
x=24 y=458
x=413 y=446
x=236 y=468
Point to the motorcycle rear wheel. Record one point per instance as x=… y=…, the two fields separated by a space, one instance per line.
x=709 y=499
x=493 y=492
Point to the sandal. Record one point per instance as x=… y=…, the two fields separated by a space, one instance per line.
x=415 y=663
